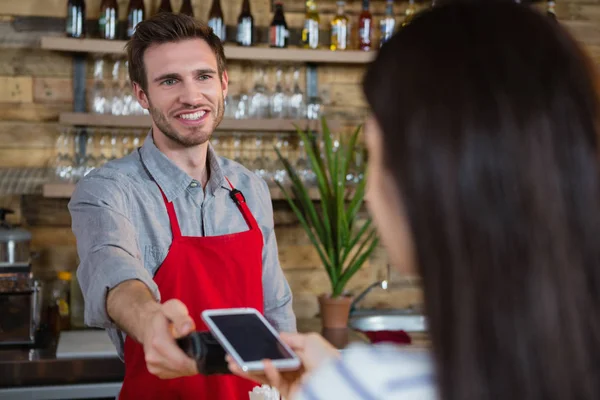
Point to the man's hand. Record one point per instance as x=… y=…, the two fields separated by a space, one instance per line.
x=163 y=357
x=156 y=326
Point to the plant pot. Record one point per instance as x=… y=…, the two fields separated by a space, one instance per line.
x=334 y=311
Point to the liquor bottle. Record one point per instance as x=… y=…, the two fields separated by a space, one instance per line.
x=310 y=32
x=108 y=21
x=278 y=31
x=365 y=27
x=245 y=26
x=409 y=13
x=165 y=6
x=387 y=24
x=75 y=21
x=551 y=9
x=135 y=14
x=186 y=8
x=340 y=34
x=216 y=21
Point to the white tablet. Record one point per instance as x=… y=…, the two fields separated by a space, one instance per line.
x=249 y=338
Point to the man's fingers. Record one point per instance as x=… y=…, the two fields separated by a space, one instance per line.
x=165 y=359
x=178 y=314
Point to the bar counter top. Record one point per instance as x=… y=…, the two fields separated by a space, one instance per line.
x=38 y=366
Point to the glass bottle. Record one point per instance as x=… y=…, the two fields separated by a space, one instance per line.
x=216 y=20
x=165 y=6
x=340 y=34
x=411 y=9
x=60 y=302
x=245 y=26
x=108 y=21
x=278 y=31
x=186 y=8
x=136 y=13
x=365 y=27
x=75 y=21
x=310 y=32
x=97 y=101
x=551 y=9
x=387 y=24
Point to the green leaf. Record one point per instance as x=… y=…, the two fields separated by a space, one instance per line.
x=323 y=186
x=355 y=266
x=357 y=238
x=303 y=196
x=300 y=215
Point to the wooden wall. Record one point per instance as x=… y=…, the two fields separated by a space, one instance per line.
x=36 y=85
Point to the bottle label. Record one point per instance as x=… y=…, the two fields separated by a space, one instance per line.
x=310 y=34
x=387 y=29
x=365 y=32
x=339 y=36
x=135 y=17
x=244 y=33
x=278 y=36
x=218 y=27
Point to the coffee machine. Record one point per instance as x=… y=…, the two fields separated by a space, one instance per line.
x=20 y=293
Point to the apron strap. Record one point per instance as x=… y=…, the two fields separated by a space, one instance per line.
x=239 y=199
x=172 y=216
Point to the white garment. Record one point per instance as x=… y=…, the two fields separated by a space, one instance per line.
x=378 y=372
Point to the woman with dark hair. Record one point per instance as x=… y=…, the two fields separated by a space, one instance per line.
x=483 y=178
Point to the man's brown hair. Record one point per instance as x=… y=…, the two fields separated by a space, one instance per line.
x=167 y=28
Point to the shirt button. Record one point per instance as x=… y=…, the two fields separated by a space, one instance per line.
x=194 y=184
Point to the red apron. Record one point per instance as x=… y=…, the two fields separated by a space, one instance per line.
x=204 y=273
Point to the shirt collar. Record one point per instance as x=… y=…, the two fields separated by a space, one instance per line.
x=170 y=178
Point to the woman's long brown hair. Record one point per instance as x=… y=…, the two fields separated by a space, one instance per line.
x=489 y=114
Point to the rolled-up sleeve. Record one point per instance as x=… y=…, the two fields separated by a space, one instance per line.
x=107 y=244
x=277 y=292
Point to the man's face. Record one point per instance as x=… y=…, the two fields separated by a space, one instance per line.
x=184 y=95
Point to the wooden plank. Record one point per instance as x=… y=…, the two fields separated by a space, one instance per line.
x=336 y=74
x=33 y=112
x=16 y=89
x=57 y=190
x=317 y=282
x=231 y=52
x=13 y=203
x=53 y=90
x=346 y=95
x=27 y=135
x=24 y=157
x=41 y=211
x=144 y=121
x=299 y=257
x=37 y=63
x=584 y=31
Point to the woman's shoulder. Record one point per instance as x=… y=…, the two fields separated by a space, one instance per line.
x=383 y=371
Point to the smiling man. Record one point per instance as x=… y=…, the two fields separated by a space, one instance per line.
x=165 y=232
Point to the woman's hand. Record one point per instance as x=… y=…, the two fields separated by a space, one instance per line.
x=312 y=349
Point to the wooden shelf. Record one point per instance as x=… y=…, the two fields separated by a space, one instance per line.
x=100 y=46
x=65 y=191
x=144 y=121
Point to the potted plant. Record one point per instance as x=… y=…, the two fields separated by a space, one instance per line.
x=332 y=224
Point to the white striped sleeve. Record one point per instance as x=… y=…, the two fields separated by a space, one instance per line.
x=372 y=373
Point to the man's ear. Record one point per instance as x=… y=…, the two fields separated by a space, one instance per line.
x=225 y=83
x=141 y=96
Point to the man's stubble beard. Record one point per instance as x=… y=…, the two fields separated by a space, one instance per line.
x=169 y=131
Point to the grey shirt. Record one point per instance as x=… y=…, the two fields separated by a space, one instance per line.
x=123 y=232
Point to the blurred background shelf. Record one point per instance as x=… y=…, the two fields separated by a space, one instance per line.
x=101 y=46
x=144 y=121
